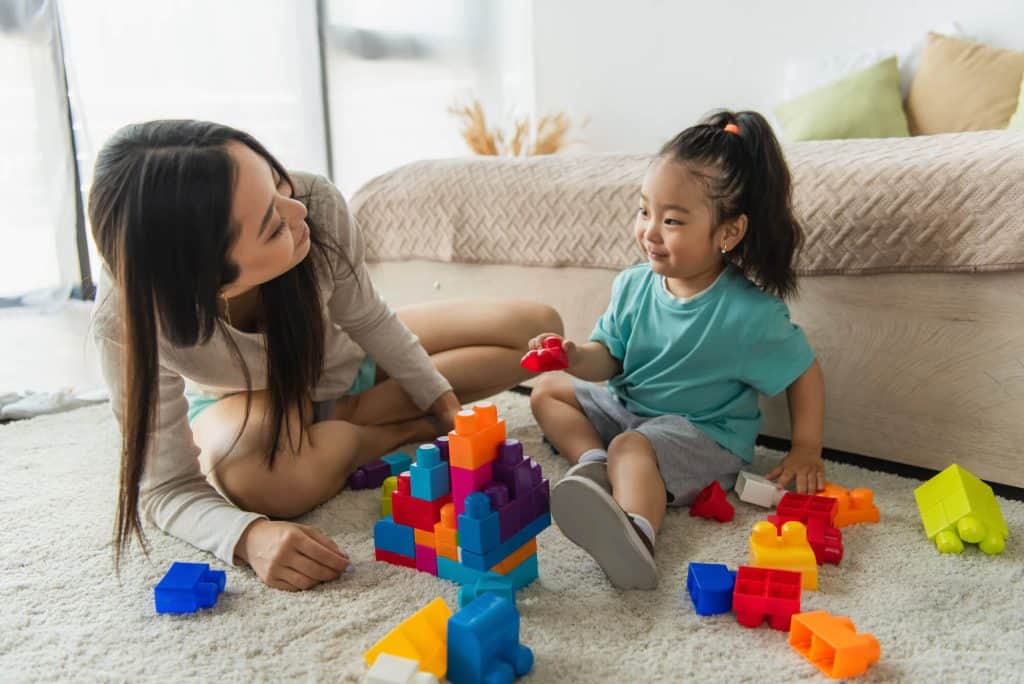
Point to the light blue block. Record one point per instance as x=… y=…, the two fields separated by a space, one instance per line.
x=398 y=461
x=479 y=525
x=390 y=536
x=487 y=585
x=488 y=560
x=429 y=474
x=522 y=575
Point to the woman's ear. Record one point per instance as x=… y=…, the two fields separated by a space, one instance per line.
x=732 y=233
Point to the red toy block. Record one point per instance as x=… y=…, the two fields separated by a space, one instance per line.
x=712 y=504
x=550 y=357
x=766 y=593
x=408 y=510
x=394 y=558
x=426 y=559
x=825 y=541
x=803 y=507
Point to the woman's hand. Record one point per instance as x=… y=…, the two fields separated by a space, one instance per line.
x=803 y=464
x=444 y=409
x=290 y=556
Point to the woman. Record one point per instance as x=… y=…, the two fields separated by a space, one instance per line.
x=251 y=363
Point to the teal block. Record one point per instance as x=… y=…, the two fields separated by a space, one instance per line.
x=398 y=461
x=429 y=474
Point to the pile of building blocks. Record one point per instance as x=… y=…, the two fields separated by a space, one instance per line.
x=187 y=587
x=470 y=507
x=958 y=507
x=479 y=644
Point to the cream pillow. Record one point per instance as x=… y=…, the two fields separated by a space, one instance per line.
x=1017 y=122
x=963 y=86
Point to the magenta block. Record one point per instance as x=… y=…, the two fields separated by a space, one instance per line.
x=426 y=559
x=466 y=482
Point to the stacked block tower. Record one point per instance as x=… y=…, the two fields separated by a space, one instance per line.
x=470 y=507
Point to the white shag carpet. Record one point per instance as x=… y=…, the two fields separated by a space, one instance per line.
x=63 y=614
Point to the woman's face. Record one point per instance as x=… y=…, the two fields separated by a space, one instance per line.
x=272 y=232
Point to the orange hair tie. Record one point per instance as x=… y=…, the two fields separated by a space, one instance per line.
x=732 y=128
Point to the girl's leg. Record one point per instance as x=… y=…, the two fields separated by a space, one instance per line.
x=475 y=344
x=637 y=485
x=304 y=474
x=561 y=418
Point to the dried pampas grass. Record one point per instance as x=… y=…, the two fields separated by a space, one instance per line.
x=527 y=138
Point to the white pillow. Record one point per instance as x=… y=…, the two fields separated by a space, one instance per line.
x=803 y=76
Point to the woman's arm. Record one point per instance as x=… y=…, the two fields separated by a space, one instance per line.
x=807 y=419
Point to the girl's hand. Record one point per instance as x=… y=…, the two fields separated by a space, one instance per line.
x=444 y=409
x=568 y=346
x=290 y=556
x=803 y=464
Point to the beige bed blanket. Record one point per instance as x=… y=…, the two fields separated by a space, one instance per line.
x=935 y=203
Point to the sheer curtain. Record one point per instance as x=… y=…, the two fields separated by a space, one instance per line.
x=395 y=66
x=251 y=64
x=36 y=169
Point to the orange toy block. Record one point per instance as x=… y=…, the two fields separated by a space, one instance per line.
x=476 y=436
x=424 y=538
x=832 y=644
x=422 y=637
x=446 y=536
x=855 y=506
x=513 y=560
x=789 y=550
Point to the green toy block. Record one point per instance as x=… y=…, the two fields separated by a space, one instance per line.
x=390 y=485
x=958 y=507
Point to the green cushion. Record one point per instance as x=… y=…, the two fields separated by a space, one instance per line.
x=1017 y=120
x=865 y=104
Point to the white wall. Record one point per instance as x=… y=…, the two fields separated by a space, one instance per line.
x=643 y=70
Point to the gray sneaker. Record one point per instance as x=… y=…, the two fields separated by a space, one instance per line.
x=591 y=519
x=592 y=470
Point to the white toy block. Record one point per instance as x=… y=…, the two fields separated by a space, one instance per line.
x=757 y=490
x=389 y=669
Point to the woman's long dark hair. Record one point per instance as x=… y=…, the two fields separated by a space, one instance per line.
x=160 y=209
x=750 y=176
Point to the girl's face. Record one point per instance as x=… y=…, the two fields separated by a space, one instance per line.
x=674 y=226
x=273 y=236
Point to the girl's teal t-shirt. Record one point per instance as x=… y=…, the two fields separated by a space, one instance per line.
x=705 y=359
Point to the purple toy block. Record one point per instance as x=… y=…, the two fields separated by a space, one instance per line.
x=370 y=476
x=426 y=559
x=539 y=500
x=442 y=444
x=466 y=482
x=509 y=511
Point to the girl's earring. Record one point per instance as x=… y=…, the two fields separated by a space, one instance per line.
x=724 y=250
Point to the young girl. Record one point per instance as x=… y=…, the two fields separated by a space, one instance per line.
x=689 y=340
x=251 y=363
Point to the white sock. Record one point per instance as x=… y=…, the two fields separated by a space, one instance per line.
x=645 y=525
x=594 y=455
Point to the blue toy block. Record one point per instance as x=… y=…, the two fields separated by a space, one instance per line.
x=398 y=461
x=486 y=585
x=521 y=576
x=479 y=526
x=710 y=586
x=491 y=558
x=187 y=587
x=390 y=536
x=483 y=643
x=429 y=474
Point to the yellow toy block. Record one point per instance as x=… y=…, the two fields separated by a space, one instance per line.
x=513 y=560
x=422 y=637
x=790 y=551
x=855 y=506
x=476 y=437
x=390 y=485
x=958 y=507
x=832 y=643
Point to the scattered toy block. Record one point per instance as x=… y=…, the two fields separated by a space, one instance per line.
x=710 y=586
x=956 y=507
x=785 y=549
x=420 y=637
x=370 y=476
x=483 y=643
x=855 y=506
x=804 y=507
x=389 y=669
x=825 y=541
x=187 y=587
x=399 y=462
x=493 y=585
x=550 y=357
x=757 y=490
x=712 y=504
x=766 y=593
x=832 y=644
